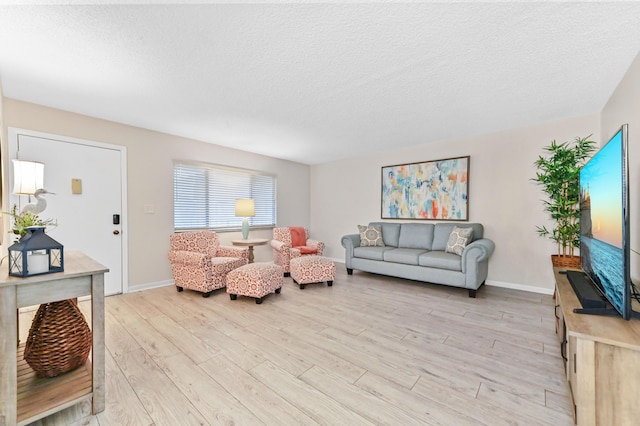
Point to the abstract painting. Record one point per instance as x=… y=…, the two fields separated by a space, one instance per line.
x=431 y=190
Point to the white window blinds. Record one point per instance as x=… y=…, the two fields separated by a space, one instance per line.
x=204 y=196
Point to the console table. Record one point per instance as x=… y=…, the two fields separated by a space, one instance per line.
x=25 y=398
x=602 y=361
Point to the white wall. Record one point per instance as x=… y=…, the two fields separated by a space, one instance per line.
x=150 y=180
x=501 y=196
x=624 y=107
x=3 y=166
x=3 y=149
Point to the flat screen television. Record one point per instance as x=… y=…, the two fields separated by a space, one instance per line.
x=604 y=224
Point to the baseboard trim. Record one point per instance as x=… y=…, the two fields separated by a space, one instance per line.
x=149 y=286
x=521 y=287
x=502 y=284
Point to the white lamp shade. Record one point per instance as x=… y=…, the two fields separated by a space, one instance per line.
x=28 y=176
x=245 y=207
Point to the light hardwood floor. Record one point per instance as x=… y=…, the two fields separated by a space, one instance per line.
x=369 y=350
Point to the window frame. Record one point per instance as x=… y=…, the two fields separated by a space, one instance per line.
x=236 y=224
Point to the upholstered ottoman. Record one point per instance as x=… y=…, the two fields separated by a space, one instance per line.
x=312 y=269
x=255 y=280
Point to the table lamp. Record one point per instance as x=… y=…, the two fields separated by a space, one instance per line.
x=245 y=208
x=28 y=176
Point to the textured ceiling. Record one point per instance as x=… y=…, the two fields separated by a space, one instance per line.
x=317 y=82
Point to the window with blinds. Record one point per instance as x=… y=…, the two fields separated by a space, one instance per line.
x=204 y=197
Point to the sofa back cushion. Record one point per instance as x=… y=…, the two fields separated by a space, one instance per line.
x=416 y=235
x=390 y=233
x=443 y=230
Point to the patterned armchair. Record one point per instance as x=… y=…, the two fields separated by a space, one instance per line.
x=200 y=263
x=291 y=242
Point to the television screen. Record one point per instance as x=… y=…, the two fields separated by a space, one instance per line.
x=604 y=221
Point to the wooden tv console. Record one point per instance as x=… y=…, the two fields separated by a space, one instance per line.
x=601 y=360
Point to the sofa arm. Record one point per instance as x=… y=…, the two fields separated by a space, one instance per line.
x=349 y=242
x=475 y=262
x=229 y=251
x=318 y=245
x=478 y=251
x=188 y=258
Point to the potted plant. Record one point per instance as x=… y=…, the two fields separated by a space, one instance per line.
x=559 y=174
x=24 y=220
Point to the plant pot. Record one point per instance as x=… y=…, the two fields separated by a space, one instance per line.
x=559 y=261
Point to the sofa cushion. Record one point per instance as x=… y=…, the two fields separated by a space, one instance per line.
x=408 y=256
x=458 y=240
x=390 y=233
x=442 y=232
x=441 y=260
x=370 y=236
x=373 y=253
x=416 y=235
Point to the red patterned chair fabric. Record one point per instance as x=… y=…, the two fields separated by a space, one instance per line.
x=312 y=269
x=286 y=247
x=255 y=280
x=200 y=263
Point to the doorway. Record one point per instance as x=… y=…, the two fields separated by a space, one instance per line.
x=88 y=182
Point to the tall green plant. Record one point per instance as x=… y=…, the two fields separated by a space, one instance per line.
x=559 y=176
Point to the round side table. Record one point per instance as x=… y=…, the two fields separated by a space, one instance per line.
x=250 y=242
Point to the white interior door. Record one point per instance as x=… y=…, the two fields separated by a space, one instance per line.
x=86 y=219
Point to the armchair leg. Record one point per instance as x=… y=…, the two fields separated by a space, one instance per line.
x=233 y=296
x=287 y=274
x=179 y=289
x=207 y=294
x=330 y=283
x=278 y=290
x=258 y=300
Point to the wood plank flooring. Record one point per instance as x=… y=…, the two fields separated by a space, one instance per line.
x=371 y=350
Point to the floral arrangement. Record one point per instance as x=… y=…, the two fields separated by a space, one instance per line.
x=24 y=220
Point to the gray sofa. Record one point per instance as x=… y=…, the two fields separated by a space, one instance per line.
x=416 y=251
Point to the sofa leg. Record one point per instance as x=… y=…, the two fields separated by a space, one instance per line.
x=349 y=271
x=472 y=293
x=179 y=289
x=207 y=294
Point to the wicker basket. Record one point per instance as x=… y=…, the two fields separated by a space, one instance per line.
x=565 y=261
x=59 y=339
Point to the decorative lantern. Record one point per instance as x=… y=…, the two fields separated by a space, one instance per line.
x=34 y=254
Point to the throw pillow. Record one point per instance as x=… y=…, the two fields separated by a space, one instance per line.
x=298 y=236
x=370 y=236
x=458 y=240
